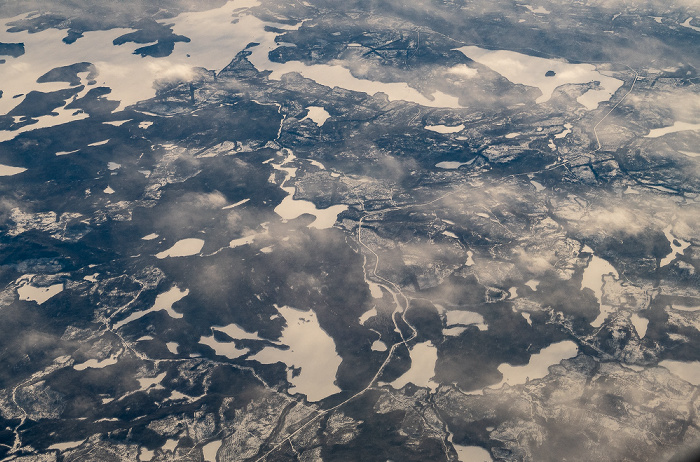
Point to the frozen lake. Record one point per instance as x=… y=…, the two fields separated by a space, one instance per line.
x=291 y=208
x=423 y=358
x=130 y=77
x=472 y=453
x=676 y=127
x=593 y=278
x=183 y=248
x=318 y=114
x=30 y=293
x=539 y=364
x=687 y=370
x=311 y=349
x=7 y=170
x=531 y=71
x=163 y=302
x=445 y=128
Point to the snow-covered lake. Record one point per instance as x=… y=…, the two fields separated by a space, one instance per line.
x=183 y=248
x=227 y=349
x=291 y=208
x=31 y=293
x=423 y=358
x=130 y=77
x=163 y=302
x=687 y=370
x=311 y=349
x=472 y=453
x=445 y=128
x=531 y=71
x=317 y=114
x=678 y=247
x=593 y=278
x=676 y=127
x=7 y=170
x=640 y=324
x=538 y=366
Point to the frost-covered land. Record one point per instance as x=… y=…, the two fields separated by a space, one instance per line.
x=256 y=230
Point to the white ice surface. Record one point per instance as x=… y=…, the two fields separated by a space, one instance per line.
x=228 y=349
x=318 y=114
x=640 y=324
x=593 y=279
x=375 y=289
x=65 y=446
x=65 y=153
x=163 y=301
x=291 y=208
x=445 y=128
x=687 y=24
x=129 y=76
x=530 y=70
x=423 y=358
x=687 y=370
x=96 y=364
x=676 y=249
x=183 y=248
x=567 y=130
x=242 y=241
x=453 y=331
x=368 y=315
x=237 y=332
x=7 y=170
x=465 y=318
x=680 y=307
x=538 y=186
x=472 y=454
x=539 y=364
x=537 y=10
x=236 y=204
x=146 y=455
x=210 y=449
x=172 y=347
x=311 y=349
x=331 y=75
x=116 y=123
x=170 y=445
x=29 y=293
x=449 y=165
x=676 y=127
x=151 y=382
x=378 y=345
